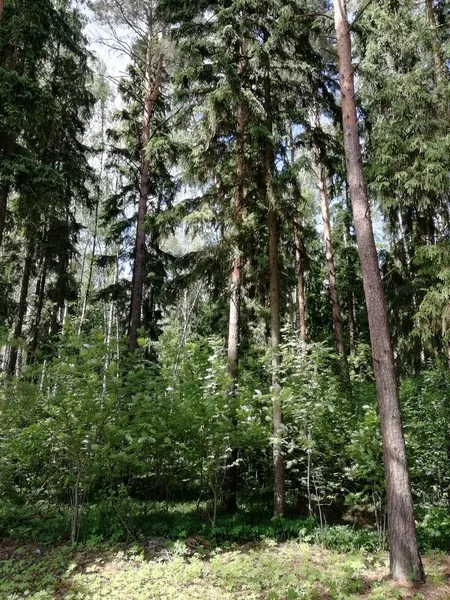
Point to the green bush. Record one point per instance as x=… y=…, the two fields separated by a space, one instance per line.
x=434 y=529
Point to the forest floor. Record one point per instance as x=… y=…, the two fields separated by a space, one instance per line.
x=162 y=571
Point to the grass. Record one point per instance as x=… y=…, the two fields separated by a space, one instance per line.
x=162 y=570
x=248 y=556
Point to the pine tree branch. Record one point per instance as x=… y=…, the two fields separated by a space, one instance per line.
x=361 y=12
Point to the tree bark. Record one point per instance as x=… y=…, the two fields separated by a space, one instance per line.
x=151 y=95
x=4 y=193
x=350 y=295
x=97 y=205
x=230 y=481
x=22 y=309
x=351 y=322
x=40 y=293
x=405 y=561
x=91 y=267
x=329 y=254
x=299 y=263
x=274 y=295
x=277 y=416
x=300 y=283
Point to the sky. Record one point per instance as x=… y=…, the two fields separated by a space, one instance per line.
x=103 y=46
x=100 y=42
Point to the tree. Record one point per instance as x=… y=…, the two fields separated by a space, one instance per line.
x=146 y=54
x=404 y=554
x=234 y=325
x=48 y=170
x=151 y=94
x=407 y=149
x=329 y=251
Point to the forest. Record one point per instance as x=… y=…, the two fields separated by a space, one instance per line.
x=225 y=299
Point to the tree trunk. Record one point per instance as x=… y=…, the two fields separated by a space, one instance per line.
x=350 y=295
x=151 y=95
x=351 y=322
x=91 y=268
x=274 y=295
x=329 y=255
x=40 y=293
x=299 y=262
x=405 y=561
x=22 y=309
x=230 y=481
x=300 y=283
x=94 y=241
x=4 y=193
x=278 y=460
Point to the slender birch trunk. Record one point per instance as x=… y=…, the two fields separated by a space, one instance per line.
x=94 y=241
x=40 y=294
x=21 y=312
x=4 y=193
x=300 y=283
x=91 y=267
x=299 y=270
x=405 y=561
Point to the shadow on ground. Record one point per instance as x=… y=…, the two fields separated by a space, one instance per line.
x=162 y=570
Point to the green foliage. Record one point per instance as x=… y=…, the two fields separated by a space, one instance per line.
x=97 y=443
x=290 y=571
x=434 y=529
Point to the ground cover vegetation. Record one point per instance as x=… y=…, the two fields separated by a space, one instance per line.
x=224 y=308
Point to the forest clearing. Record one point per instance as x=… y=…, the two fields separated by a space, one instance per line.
x=225 y=299
x=259 y=571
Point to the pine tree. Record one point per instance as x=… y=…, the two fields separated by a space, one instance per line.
x=404 y=554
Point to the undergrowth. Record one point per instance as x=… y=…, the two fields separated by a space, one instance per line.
x=130 y=521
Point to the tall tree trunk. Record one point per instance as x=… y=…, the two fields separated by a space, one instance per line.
x=40 y=293
x=1 y=9
x=151 y=94
x=91 y=267
x=230 y=481
x=274 y=295
x=329 y=254
x=97 y=205
x=4 y=193
x=351 y=322
x=300 y=283
x=109 y=324
x=274 y=290
x=298 y=262
x=405 y=561
x=22 y=309
x=350 y=295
